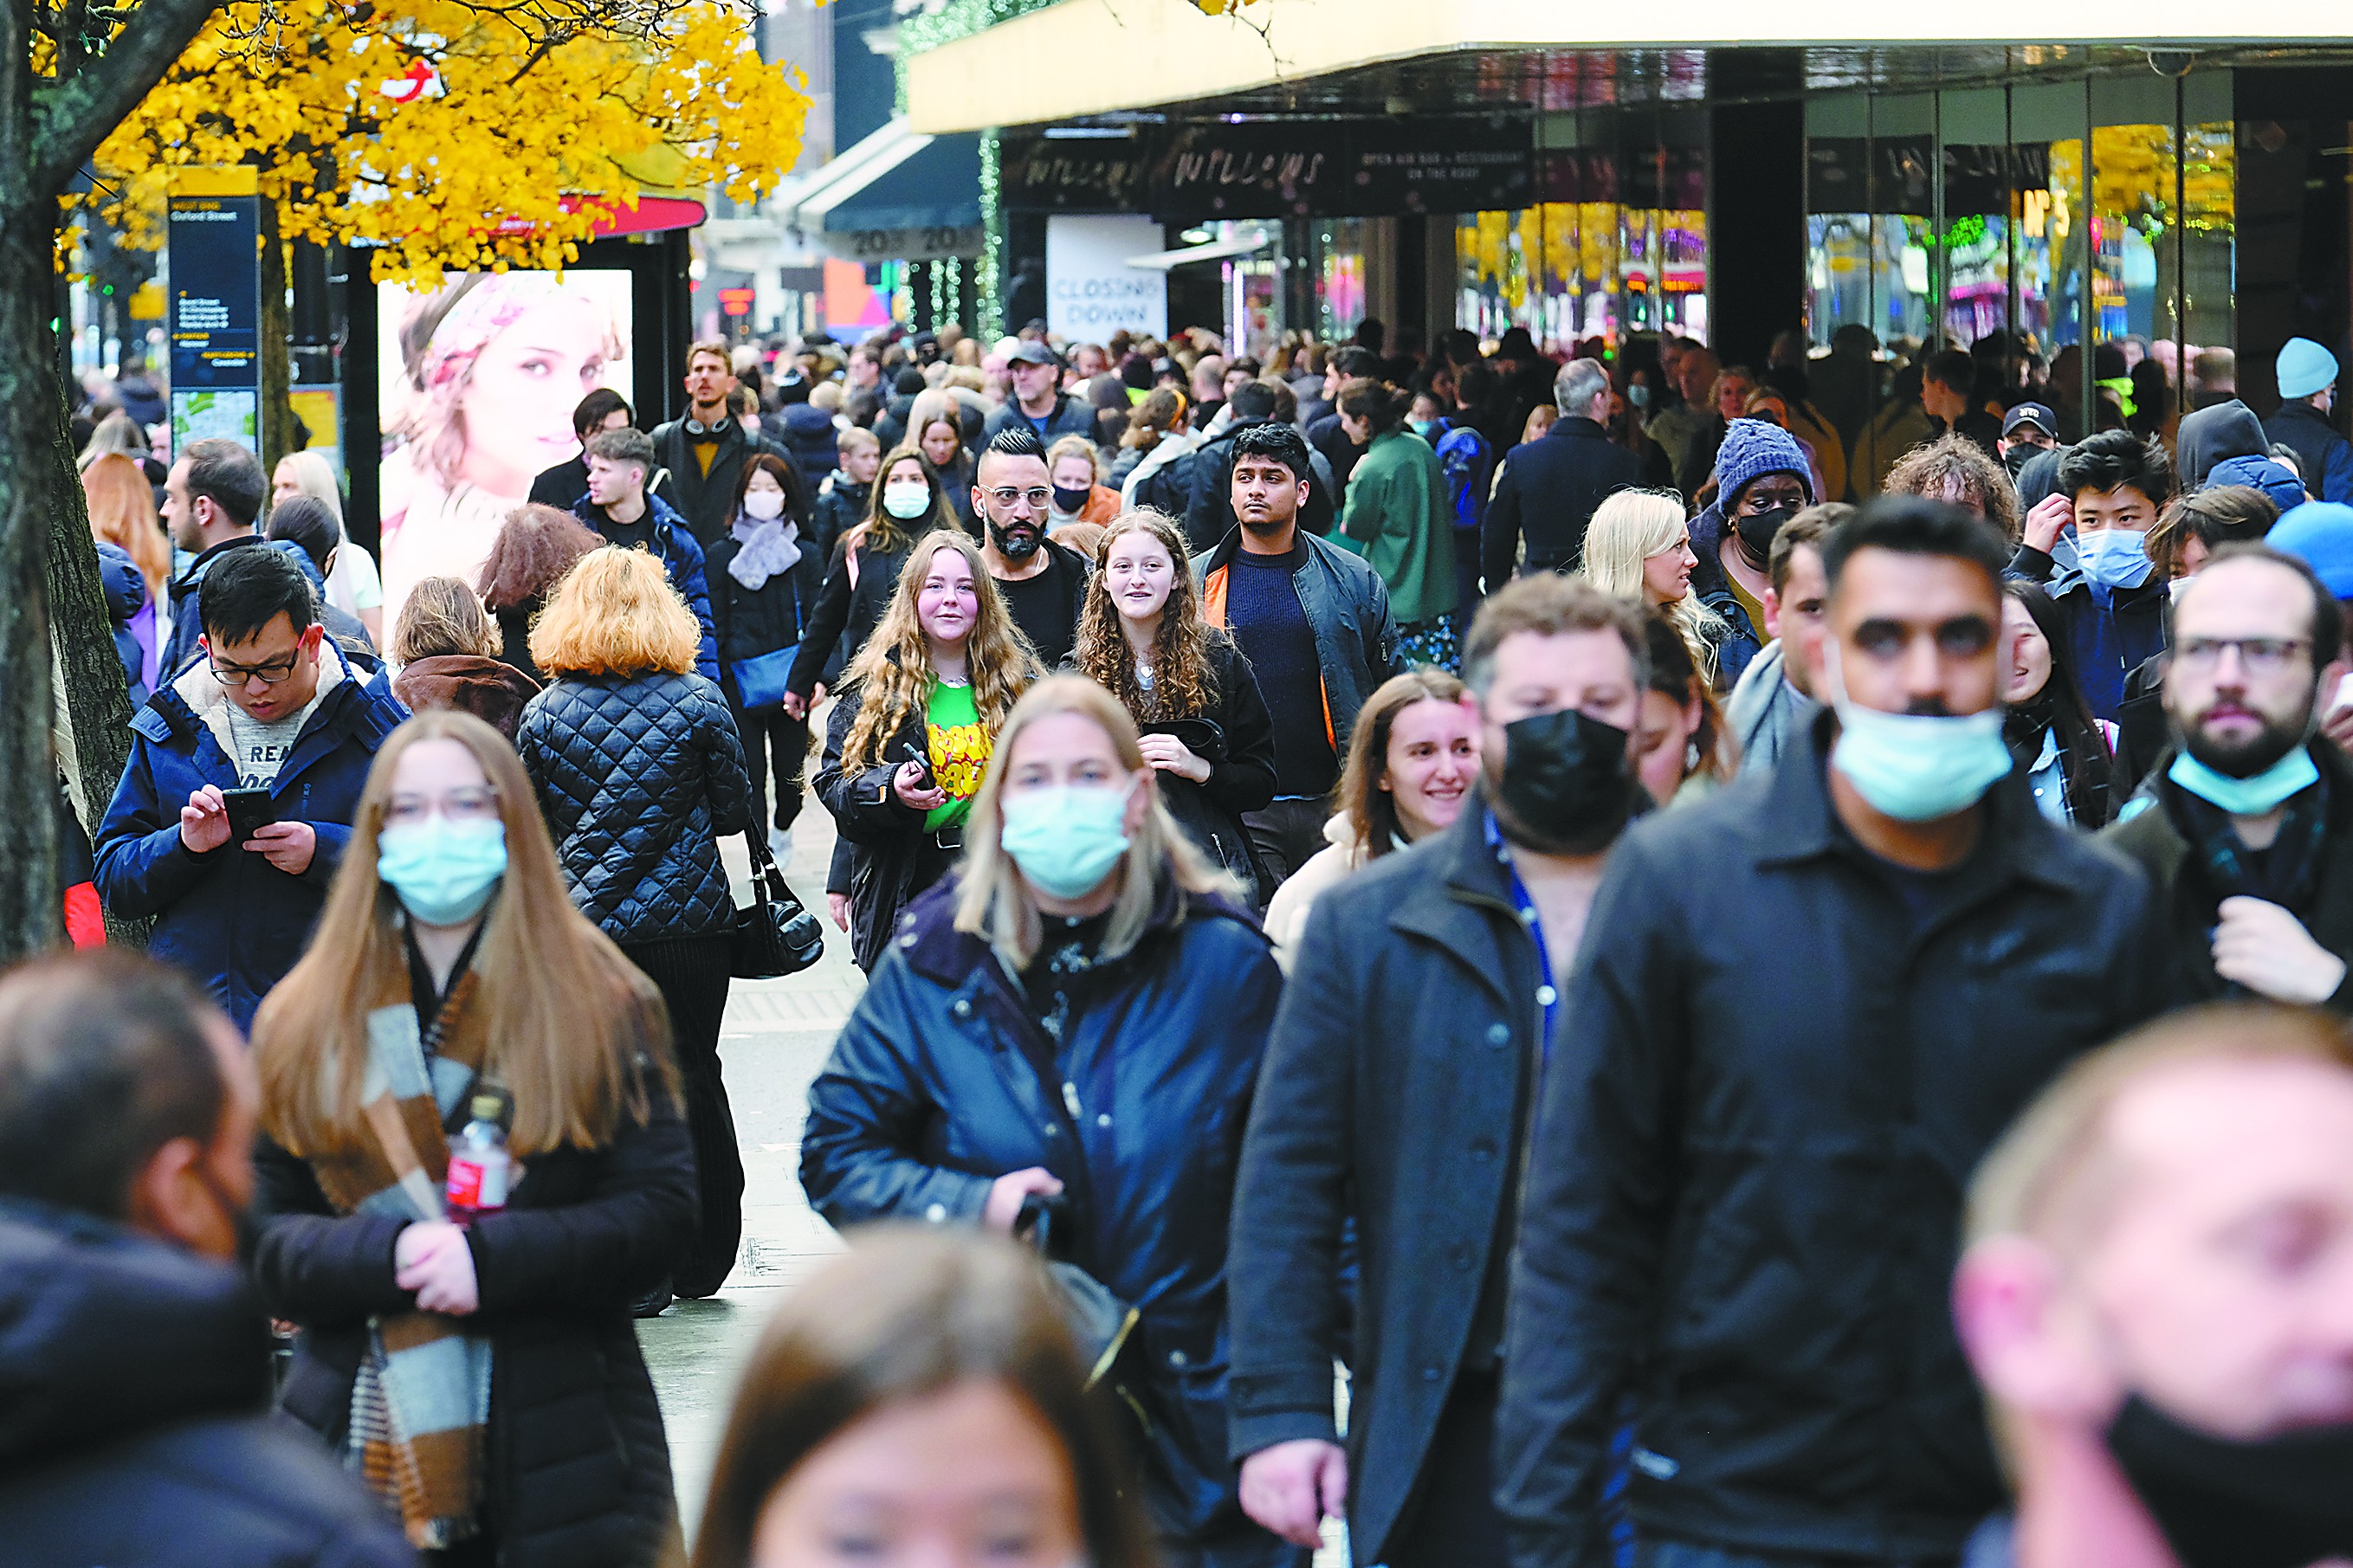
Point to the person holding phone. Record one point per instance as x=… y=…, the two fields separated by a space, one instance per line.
x=907 y=743
x=244 y=772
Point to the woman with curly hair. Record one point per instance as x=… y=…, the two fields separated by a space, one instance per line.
x=1207 y=731
x=534 y=548
x=908 y=741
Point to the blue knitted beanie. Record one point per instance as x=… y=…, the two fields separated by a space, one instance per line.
x=1753 y=447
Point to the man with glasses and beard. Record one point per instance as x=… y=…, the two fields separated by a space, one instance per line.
x=2246 y=827
x=1044 y=584
x=1743 y=1188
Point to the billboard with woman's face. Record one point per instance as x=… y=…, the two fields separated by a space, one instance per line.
x=479 y=379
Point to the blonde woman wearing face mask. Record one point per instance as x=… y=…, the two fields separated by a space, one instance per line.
x=1073 y=1025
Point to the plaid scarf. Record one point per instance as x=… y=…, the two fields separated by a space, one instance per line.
x=422 y=1399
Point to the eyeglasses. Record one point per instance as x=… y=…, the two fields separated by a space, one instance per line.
x=458 y=805
x=277 y=672
x=1009 y=495
x=2258 y=656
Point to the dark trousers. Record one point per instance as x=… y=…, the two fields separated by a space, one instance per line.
x=1451 y=1521
x=1286 y=835
x=773 y=741
x=691 y=973
x=1660 y=1552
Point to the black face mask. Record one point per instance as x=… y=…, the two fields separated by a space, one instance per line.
x=1756 y=533
x=1015 y=546
x=1070 y=500
x=2018 y=456
x=1567 y=784
x=2277 y=1502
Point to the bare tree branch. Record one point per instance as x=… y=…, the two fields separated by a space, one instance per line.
x=73 y=115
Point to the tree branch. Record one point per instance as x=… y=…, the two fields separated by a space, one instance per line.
x=75 y=113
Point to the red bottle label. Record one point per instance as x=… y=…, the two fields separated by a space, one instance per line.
x=465 y=1183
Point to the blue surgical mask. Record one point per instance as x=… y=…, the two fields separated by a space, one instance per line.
x=2257 y=796
x=1639 y=396
x=443 y=872
x=2112 y=557
x=1915 y=767
x=1425 y=428
x=1066 y=838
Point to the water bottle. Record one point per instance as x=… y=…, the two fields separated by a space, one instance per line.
x=479 y=1163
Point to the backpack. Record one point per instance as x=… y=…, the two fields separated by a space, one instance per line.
x=1467 y=461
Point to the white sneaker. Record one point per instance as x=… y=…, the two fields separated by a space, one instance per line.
x=780 y=844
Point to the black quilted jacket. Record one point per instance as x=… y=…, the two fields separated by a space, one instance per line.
x=637 y=777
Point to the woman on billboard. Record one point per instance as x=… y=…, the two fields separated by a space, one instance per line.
x=482 y=378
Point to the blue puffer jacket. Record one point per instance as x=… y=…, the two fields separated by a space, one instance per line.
x=229 y=917
x=126 y=596
x=930 y=1095
x=681 y=557
x=638 y=776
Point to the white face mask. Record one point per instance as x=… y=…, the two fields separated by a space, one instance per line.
x=906 y=500
x=765 y=505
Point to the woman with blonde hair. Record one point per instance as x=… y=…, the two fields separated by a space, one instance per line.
x=354 y=587
x=1157 y=435
x=637 y=766
x=920 y=709
x=1413 y=756
x=1204 y=725
x=1075 y=469
x=468 y=1349
x=924 y=1381
x=447 y=654
x=1064 y=1041
x=1638 y=546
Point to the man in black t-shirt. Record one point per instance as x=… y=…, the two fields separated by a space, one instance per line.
x=1043 y=584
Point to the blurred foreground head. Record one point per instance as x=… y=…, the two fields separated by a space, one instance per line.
x=124 y=1094
x=2158 y=1296
x=920 y=1400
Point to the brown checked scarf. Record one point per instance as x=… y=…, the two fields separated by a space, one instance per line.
x=422 y=1400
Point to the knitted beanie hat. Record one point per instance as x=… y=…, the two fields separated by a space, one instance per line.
x=2305 y=367
x=2320 y=534
x=1753 y=447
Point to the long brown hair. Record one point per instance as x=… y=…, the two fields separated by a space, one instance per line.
x=1182 y=684
x=123 y=513
x=534 y=548
x=893 y=671
x=881 y=530
x=910 y=1313
x=573 y=1029
x=1371 y=810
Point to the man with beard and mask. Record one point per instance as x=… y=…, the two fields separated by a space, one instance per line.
x=2112 y=486
x=134 y=1364
x=1044 y=584
x=1397 y=1093
x=1762 y=480
x=2246 y=826
x=2158 y=1297
x=1313 y=621
x=1803 y=1008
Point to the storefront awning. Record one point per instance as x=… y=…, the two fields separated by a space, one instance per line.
x=898 y=194
x=1248 y=242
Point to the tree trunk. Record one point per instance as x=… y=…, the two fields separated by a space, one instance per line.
x=277 y=327
x=31 y=424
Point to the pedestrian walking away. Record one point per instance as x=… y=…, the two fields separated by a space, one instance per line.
x=1399 y=1085
x=468 y=1352
x=634 y=761
x=1398 y=516
x=134 y=1425
x=1735 y=1122
x=1313 y=619
x=534 y=548
x=1547 y=489
x=913 y=728
x=245 y=772
x=1204 y=727
x=445 y=655
x=1075 y=1025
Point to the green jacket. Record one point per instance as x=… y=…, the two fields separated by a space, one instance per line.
x=1399 y=518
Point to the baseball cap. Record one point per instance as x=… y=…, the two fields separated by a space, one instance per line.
x=1032 y=352
x=2035 y=414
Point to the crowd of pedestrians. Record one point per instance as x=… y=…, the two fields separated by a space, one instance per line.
x=1550 y=965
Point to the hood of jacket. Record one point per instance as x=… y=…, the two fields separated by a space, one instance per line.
x=119 y=579
x=2208 y=435
x=489 y=690
x=105 y=1333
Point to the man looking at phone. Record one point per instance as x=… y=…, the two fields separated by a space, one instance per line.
x=245 y=772
x=2248 y=839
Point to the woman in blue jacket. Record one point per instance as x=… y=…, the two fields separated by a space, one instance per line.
x=1074 y=1022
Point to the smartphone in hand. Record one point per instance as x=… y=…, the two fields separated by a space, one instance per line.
x=247 y=809
x=922 y=758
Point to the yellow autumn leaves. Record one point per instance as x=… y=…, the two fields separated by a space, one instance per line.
x=455 y=136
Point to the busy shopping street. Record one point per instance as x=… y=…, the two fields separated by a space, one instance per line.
x=1174 y=784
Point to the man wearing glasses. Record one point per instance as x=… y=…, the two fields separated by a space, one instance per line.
x=2246 y=826
x=271 y=710
x=1043 y=584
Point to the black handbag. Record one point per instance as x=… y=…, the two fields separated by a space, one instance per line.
x=1102 y=1325
x=775 y=936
